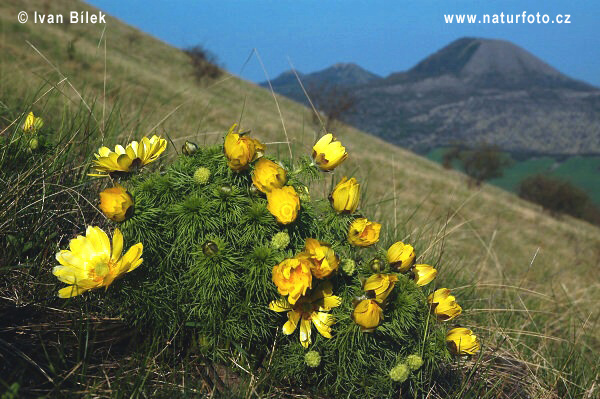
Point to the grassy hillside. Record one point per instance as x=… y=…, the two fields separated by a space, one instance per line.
x=492 y=241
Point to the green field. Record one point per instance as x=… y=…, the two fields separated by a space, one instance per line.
x=582 y=171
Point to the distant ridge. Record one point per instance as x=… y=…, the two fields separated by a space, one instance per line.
x=340 y=74
x=472 y=90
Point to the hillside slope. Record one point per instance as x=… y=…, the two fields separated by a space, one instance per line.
x=489 y=233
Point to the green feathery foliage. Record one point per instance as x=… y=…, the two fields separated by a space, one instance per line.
x=210 y=246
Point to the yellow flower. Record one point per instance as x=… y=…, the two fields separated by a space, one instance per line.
x=367 y=314
x=125 y=160
x=293 y=277
x=116 y=203
x=309 y=309
x=346 y=195
x=284 y=204
x=268 y=175
x=462 y=341
x=32 y=123
x=363 y=233
x=328 y=153
x=444 y=305
x=240 y=150
x=424 y=274
x=381 y=284
x=401 y=256
x=324 y=261
x=90 y=263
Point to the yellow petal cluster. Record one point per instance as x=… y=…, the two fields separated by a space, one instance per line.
x=293 y=277
x=241 y=150
x=424 y=274
x=268 y=175
x=381 y=284
x=401 y=256
x=309 y=310
x=284 y=204
x=444 y=305
x=462 y=341
x=32 y=123
x=328 y=153
x=125 y=160
x=324 y=261
x=91 y=263
x=367 y=314
x=116 y=203
x=346 y=195
x=363 y=233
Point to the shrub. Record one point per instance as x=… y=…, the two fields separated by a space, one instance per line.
x=204 y=63
x=559 y=197
x=483 y=162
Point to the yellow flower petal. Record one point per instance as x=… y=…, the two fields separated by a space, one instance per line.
x=290 y=326
x=305 y=333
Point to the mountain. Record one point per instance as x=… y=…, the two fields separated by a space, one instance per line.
x=478 y=90
x=341 y=74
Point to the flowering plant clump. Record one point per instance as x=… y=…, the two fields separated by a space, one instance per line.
x=240 y=259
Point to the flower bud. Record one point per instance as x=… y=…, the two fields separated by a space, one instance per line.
x=462 y=341
x=225 y=189
x=268 y=175
x=34 y=144
x=189 y=148
x=328 y=153
x=367 y=314
x=424 y=274
x=376 y=265
x=444 y=305
x=414 y=362
x=348 y=266
x=280 y=240
x=201 y=175
x=312 y=359
x=400 y=373
x=240 y=150
x=210 y=248
x=304 y=194
x=116 y=203
x=401 y=256
x=345 y=196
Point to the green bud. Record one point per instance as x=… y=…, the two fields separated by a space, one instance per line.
x=34 y=144
x=201 y=175
x=400 y=373
x=38 y=123
x=189 y=148
x=312 y=359
x=376 y=265
x=348 y=266
x=414 y=362
x=280 y=240
x=225 y=189
x=304 y=194
x=209 y=248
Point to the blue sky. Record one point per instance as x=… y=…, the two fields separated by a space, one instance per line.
x=381 y=36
